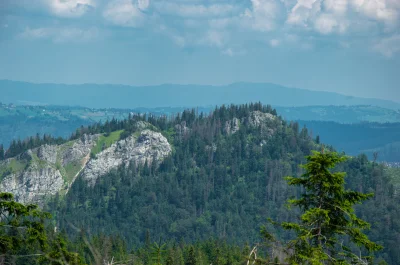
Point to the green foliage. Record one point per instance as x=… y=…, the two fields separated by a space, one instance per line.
x=59 y=253
x=328 y=216
x=157 y=253
x=216 y=184
x=24 y=237
x=106 y=141
x=17 y=146
x=72 y=169
x=12 y=166
x=20 y=226
x=191 y=257
x=2 y=155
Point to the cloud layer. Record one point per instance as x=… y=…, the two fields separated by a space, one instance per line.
x=229 y=25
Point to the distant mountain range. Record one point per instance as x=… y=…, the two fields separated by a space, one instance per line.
x=341 y=114
x=122 y=96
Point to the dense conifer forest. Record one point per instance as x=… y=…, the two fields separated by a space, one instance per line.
x=208 y=201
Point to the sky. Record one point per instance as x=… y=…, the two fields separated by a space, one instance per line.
x=346 y=46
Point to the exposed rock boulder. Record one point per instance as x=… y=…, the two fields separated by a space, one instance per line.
x=46 y=152
x=182 y=129
x=265 y=121
x=49 y=169
x=232 y=126
x=79 y=149
x=257 y=118
x=34 y=184
x=43 y=171
x=148 y=146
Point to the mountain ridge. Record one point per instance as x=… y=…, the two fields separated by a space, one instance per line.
x=42 y=172
x=223 y=177
x=125 y=96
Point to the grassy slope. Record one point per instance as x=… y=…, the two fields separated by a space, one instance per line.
x=106 y=141
x=68 y=171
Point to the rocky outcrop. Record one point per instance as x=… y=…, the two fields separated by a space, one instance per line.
x=49 y=169
x=182 y=129
x=79 y=149
x=148 y=146
x=265 y=121
x=33 y=185
x=43 y=171
x=257 y=118
x=46 y=152
x=232 y=126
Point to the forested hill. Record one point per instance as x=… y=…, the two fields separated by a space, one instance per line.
x=223 y=178
x=110 y=96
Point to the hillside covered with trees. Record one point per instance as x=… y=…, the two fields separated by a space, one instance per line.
x=209 y=199
x=221 y=181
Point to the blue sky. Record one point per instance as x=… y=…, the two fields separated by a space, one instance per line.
x=346 y=46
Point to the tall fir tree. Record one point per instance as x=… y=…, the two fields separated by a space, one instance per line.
x=191 y=257
x=328 y=217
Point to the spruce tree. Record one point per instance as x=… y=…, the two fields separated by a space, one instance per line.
x=2 y=156
x=21 y=227
x=191 y=257
x=328 y=217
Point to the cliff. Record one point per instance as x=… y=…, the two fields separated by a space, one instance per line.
x=50 y=169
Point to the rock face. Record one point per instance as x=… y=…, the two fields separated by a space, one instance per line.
x=181 y=129
x=46 y=153
x=232 y=126
x=44 y=171
x=49 y=169
x=257 y=118
x=148 y=146
x=33 y=185
x=79 y=149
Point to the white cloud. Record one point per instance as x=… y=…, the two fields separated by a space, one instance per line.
x=386 y=11
x=304 y=9
x=70 y=8
x=327 y=23
x=263 y=15
x=389 y=46
x=194 y=10
x=64 y=34
x=214 y=38
x=173 y=35
x=35 y=33
x=143 y=4
x=336 y=6
x=124 y=13
x=220 y=23
x=233 y=52
x=228 y=52
x=274 y=43
x=340 y=16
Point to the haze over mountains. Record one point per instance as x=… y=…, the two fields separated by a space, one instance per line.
x=122 y=96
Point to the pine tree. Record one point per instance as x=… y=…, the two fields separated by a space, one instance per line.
x=317 y=140
x=1 y=152
x=157 y=251
x=170 y=258
x=328 y=216
x=23 y=226
x=191 y=257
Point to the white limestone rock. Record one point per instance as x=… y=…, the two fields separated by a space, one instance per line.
x=148 y=146
x=33 y=185
x=232 y=126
